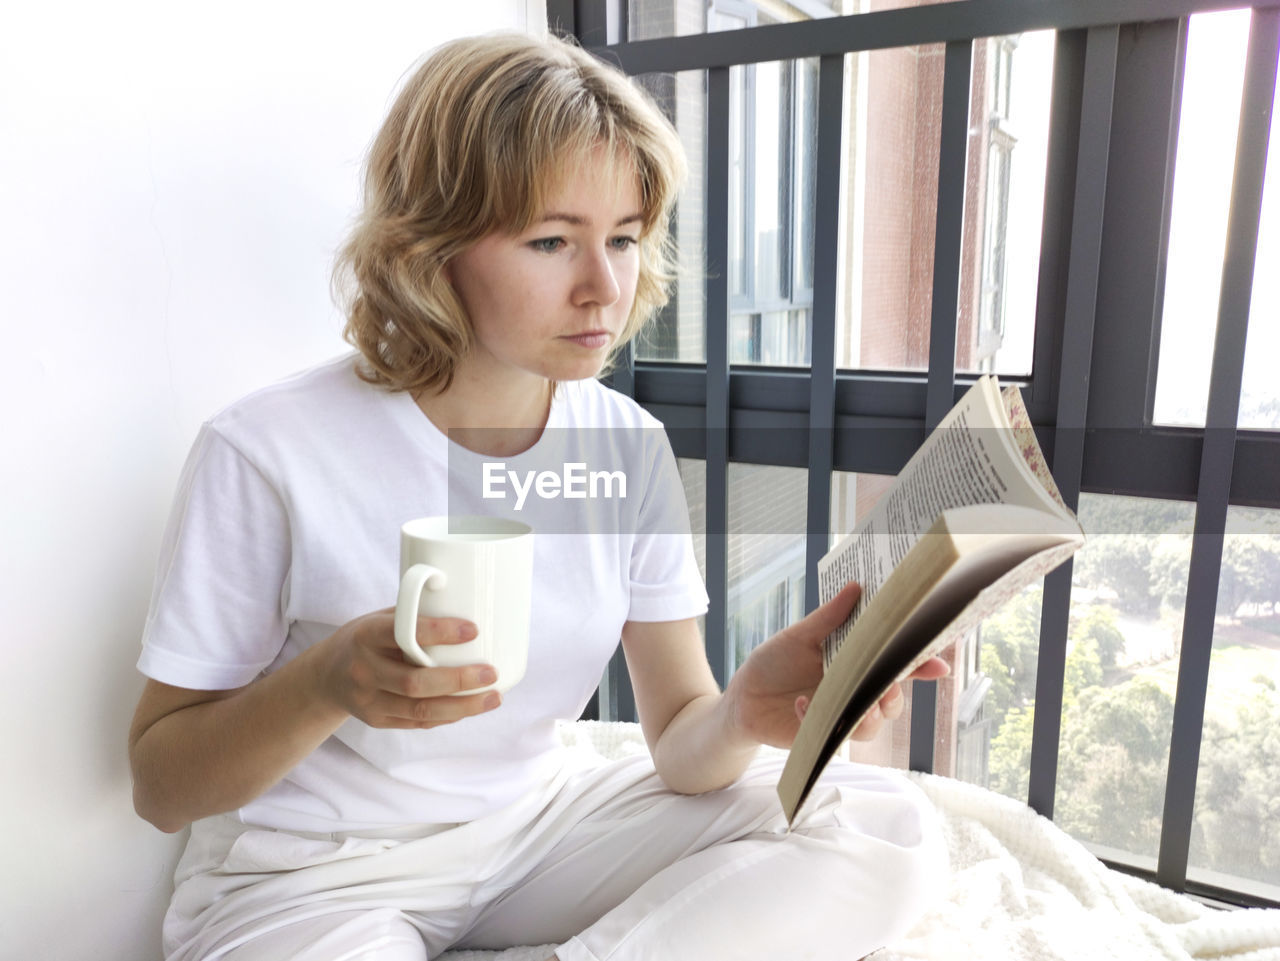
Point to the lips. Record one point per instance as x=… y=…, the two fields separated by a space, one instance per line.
x=591 y=339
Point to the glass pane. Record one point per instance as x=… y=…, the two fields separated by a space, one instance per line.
x=1207 y=132
x=805 y=174
x=766 y=552
x=889 y=207
x=1123 y=632
x=739 y=248
x=772 y=166
x=1233 y=838
x=995 y=741
x=1124 y=635
x=778 y=337
x=679 y=332
x=1004 y=202
x=1260 y=393
x=769 y=124
x=650 y=19
x=693 y=474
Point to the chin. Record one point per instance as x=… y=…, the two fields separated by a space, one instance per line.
x=581 y=369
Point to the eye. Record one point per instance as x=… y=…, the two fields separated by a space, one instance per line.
x=547 y=245
x=623 y=242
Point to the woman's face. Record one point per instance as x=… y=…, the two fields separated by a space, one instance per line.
x=553 y=300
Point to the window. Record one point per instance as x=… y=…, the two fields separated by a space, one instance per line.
x=991 y=311
x=772 y=132
x=888 y=197
x=1090 y=680
x=650 y=19
x=765 y=553
x=1122 y=663
x=1012 y=110
x=1202 y=187
x=1234 y=843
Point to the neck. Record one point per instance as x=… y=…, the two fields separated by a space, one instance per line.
x=496 y=420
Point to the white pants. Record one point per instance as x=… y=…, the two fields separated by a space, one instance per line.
x=606 y=863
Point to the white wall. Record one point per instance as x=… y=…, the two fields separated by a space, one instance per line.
x=174 y=179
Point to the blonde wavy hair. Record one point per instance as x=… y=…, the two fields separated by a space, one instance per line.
x=482 y=133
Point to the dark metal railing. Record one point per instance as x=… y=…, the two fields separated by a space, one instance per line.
x=1116 y=99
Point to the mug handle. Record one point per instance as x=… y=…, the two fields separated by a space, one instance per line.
x=411 y=585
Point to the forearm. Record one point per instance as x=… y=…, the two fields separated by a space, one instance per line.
x=219 y=754
x=701 y=749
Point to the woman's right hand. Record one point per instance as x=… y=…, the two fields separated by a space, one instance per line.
x=364 y=672
x=195 y=753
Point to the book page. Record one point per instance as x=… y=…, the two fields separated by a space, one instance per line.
x=989 y=600
x=1024 y=437
x=872 y=661
x=972 y=457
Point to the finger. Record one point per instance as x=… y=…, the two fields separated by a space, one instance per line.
x=430 y=631
x=434 y=711
x=931 y=670
x=827 y=617
x=444 y=630
x=869 y=726
x=411 y=681
x=892 y=704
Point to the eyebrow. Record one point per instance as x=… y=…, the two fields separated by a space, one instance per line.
x=577 y=221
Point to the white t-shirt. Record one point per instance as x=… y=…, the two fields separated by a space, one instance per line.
x=286 y=525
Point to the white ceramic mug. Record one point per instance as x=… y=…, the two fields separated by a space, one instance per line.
x=476 y=568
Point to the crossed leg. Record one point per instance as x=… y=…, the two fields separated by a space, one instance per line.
x=648 y=873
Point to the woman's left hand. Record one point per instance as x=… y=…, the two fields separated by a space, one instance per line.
x=770 y=693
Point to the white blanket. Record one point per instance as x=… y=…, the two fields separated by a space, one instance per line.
x=1020 y=890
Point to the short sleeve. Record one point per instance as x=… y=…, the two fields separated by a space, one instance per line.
x=665 y=582
x=216 y=618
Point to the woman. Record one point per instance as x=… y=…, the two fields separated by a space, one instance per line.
x=343 y=803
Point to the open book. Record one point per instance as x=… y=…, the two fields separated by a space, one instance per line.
x=971 y=519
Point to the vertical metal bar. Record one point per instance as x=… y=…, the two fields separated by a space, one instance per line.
x=1144 y=140
x=940 y=392
x=591 y=22
x=586 y=21
x=1218 y=453
x=622 y=377
x=822 y=379
x=1084 y=266
x=617 y=699
x=1055 y=235
x=717 y=401
x=949 y=231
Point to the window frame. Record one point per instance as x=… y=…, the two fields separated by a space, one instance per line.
x=1091 y=390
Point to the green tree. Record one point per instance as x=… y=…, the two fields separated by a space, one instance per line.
x=1010 y=654
x=1238 y=791
x=1112 y=764
x=1122 y=563
x=1009 y=766
x=1170 y=561
x=1083 y=668
x=1250 y=572
x=1099 y=626
x=1125 y=535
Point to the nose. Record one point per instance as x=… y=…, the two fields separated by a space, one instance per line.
x=596 y=283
